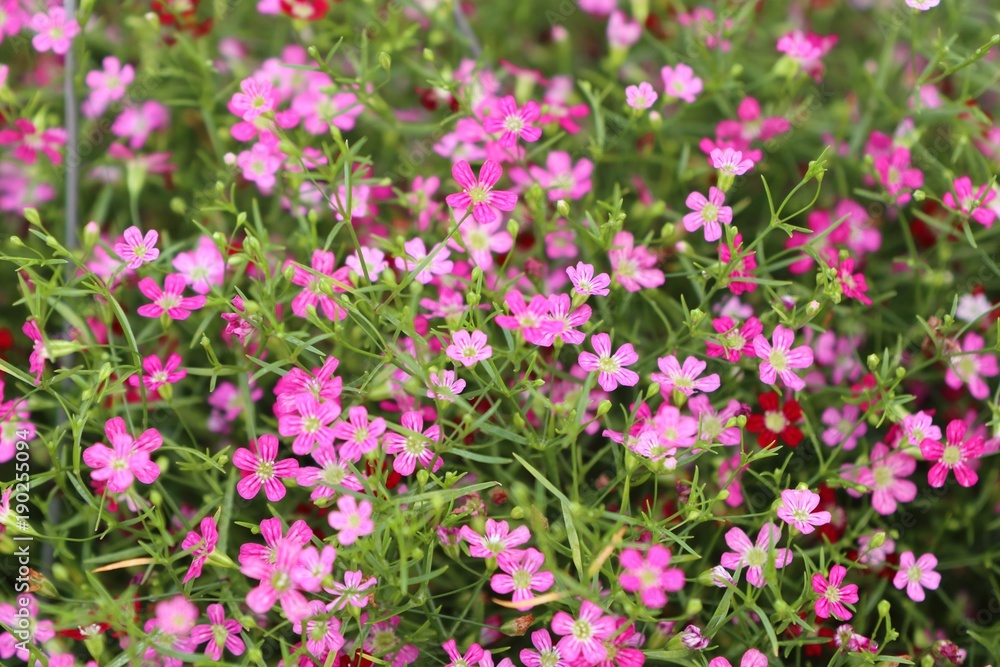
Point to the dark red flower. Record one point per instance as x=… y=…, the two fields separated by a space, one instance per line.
x=867 y=390
x=307 y=10
x=776 y=421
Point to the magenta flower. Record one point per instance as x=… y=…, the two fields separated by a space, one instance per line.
x=468 y=348
x=708 y=213
x=622 y=31
x=562 y=321
x=650 y=575
x=158 y=373
x=39 y=355
x=168 y=300
x=472 y=656
x=259 y=467
x=360 y=435
x=916 y=574
x=126 y=460
x=852 y=284
x=970 y=368
x=415 y=446
x=584 y=635
x=521 y=576
x=919 y=427
x=685 y=379
x=333 y=474
x=351 y=520
x=693 y=639
x=585 y=282
x=219 y=632
x=633 y=265
x=497 y=540
x=640 y=97
x=529 y=318
x=736 y=341
x=753 y=557
x=887 y=478
x=832 y=595
x=610 y=367
x=56 y=31
x=276 y=582
x=545 y=654
x=752 y=658
x=28 y=141
x=513 y=122
x=314 y=566
x=479 y=193
x=680 y=83
x=896 y=175
x=955 y=455
x=778 y=359
x=323 y=272
x=971 y=204
x=798 y=509
x=203 y=544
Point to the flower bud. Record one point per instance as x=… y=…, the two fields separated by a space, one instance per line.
x=602 y=408
x=384 y=60
x=693 y=607
x=883 y=605
x=517 y=513
x=516 y=627
x=813 y=307
x=655 y=120
x=31 y=215
x=873 y=362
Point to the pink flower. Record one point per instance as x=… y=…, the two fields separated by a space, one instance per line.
x=919 y=427
x=896 y=175
x=680 y=83
x=807 y=49
x=562 y=178
x=413 y=447
x=562 y=322
x=478 y=192
x=922 y=5
x=203 y=544
x=513 y=123
x=472 y=658
x=633 y=265
x=482 y=240
x=752 y=658
x=832 y=595
x=333 y=474
x=157 y=373
x=323 y=271
x=202 y=267
x=126 y=460
x=168 y=300
x=56 y=31
x=497 y=540
x=528 y=318
x=622 y=31
x=29 y=141
x=798 y=509
x=322 y=632
x=610 y=367
x=693 y=639
x=260 y=164
x=843 y=427
x=686 y=379
x=736 y=342
x=585 y=635
x=351 y=520
x=107 y=85
x=39 y=355
x=521 y=576
x=640 y=97
x=416 y=254
x=708 y=213
x=916 y=574
x=585 y=282
x=730 y=162
x=444 y=386
x=887 y=478
x=743 y=265
x=852 y=284
x=754 y=557
x=969 y=368
x=468 y=348
x=360 y=435
x=649 y=575
x=257 y=97
x=310 y=424
x=276 y=582
x=260 y=468
x=778 y=359
x=545 y=654
x=955 y=455
x=352 y=591
x=136 y=123
x=219 y=632
x=874 y=556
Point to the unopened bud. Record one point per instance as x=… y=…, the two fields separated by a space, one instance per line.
x=873 y=362
x=602 y=408
x=562 y=206
x=516 y=627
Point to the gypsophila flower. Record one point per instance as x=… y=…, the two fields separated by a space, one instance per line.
x=916 y=574
x=798 y=509
x=468 y=348
x=351 y=520
x=833 y=595
x=610 y=367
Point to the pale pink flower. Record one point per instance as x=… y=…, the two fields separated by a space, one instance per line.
x=168 y=300
x=360 y=435
x=257 y=97
x=874 y=556
x=922 y=5
x=708 y=213
x=56 y=30
x=472 y=658
x=843 y=426
x=468 y=348
x=753 y=557
x=482 y=240
x=640 y=97
x=798 y=509
x=521 y=576
x=415 y=446
x=528 y=318
x=887 y=478
x=685 y=379
x=562 y=178
x=585 y=282
x=203 y=544
x=693 y=639
x=562 y=321
x=545 y=654
x=107 y=85
x=497 y=539
x=610 y=367
x=916 y=574
x=730 y=162
x=778 y=359
x=919 y=427
x=680 y=83
x=310 y=423
x=351 y=520
x=416 y=257
x=632 y=265
x=275 y=581
x=202 y=267
x=622 y=31
x=971 y=366
x=323 y=272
